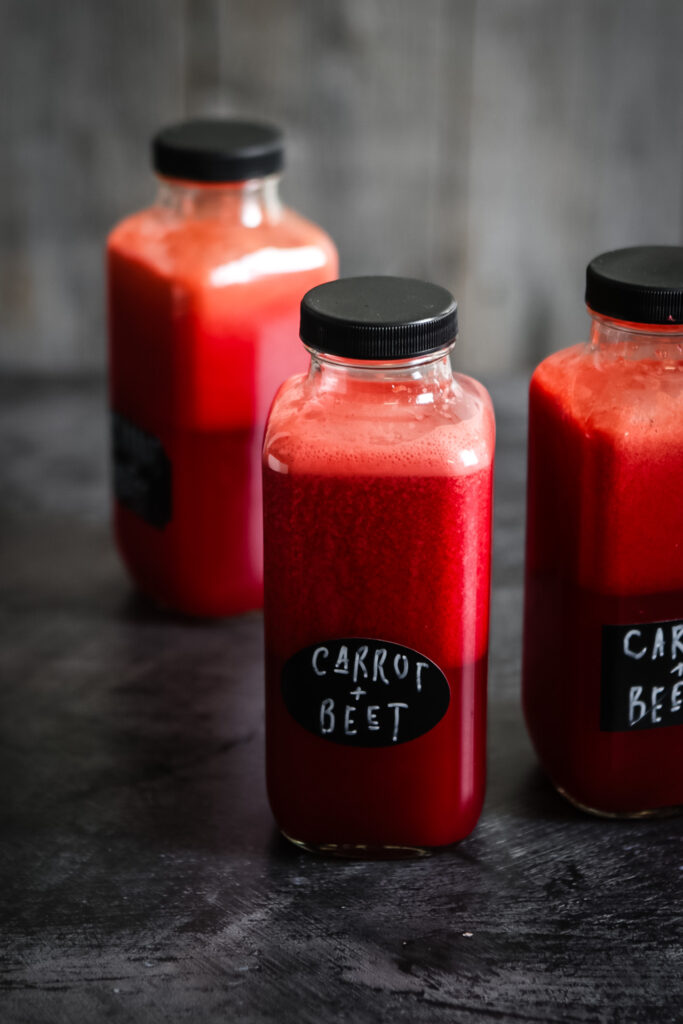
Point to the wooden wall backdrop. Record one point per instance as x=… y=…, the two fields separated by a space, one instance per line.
x=492 y=145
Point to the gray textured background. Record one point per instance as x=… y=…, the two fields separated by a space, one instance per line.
x=493 y=145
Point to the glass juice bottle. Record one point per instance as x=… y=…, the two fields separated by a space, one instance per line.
x=603 y=637
x=204 y=290
x=377 y=501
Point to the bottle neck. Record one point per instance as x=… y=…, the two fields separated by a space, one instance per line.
x=431 y=374
x=250 y=203
x=635 y=341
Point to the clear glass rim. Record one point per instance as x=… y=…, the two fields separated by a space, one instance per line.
x=188 y=184
x=381 y=364
x=630 y=327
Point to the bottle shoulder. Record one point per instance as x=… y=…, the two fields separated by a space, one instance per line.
x=378 y=432
x=214 y=252
x=296 y=230
x=131 y=227
x=608 y=392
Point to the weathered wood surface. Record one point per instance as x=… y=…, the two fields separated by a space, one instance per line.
x=494 y=146
x=141 y=877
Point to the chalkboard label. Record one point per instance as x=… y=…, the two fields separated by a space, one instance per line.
x=642 y=676
x=364 y=693
x=142 y=472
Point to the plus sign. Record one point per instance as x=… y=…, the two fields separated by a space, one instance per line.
x=357 y=693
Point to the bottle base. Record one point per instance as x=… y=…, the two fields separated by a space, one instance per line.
x=361 y=851
x=655 y=812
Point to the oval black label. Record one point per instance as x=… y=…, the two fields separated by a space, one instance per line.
x=364 y=693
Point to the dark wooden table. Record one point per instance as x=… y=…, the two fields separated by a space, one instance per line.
x=141 y=877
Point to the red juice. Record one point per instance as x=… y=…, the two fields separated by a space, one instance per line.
x=604 y=569
x=377 y=513
x=204 y=289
